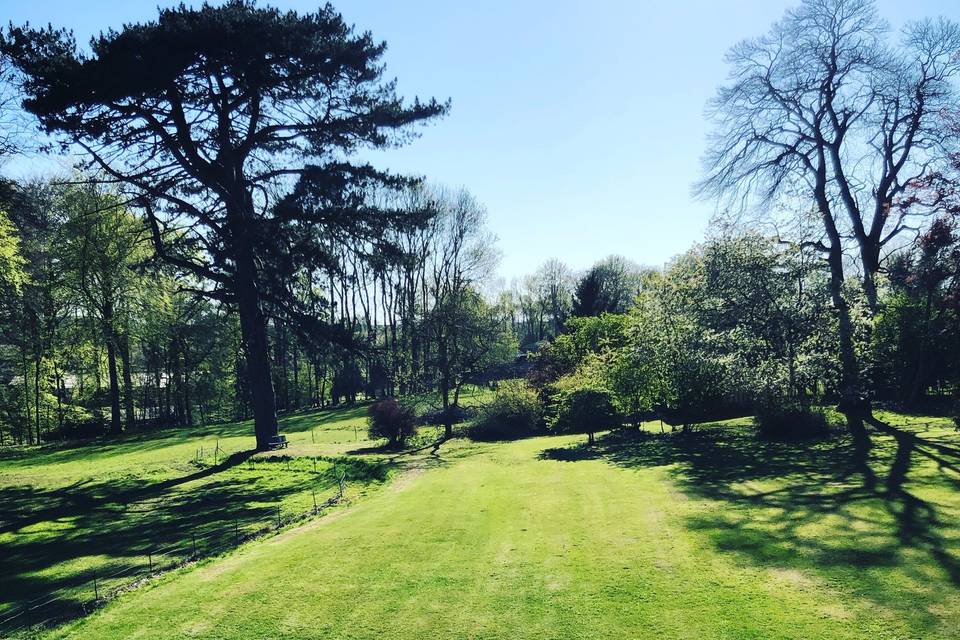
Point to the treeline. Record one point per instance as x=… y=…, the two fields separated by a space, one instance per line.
x=235 y=258
x=744 y=325
x=97 y=330
x=222 y=251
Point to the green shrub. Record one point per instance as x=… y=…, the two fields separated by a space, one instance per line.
x=585 y=410
x=790 y=421
x=391 y=420
x=515 y=412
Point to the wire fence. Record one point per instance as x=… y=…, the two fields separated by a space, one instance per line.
x=100 y=584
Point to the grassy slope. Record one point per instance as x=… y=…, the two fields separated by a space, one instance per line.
x=706 y=536
x=65 y=512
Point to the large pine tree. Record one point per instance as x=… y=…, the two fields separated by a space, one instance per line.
x=210 y=117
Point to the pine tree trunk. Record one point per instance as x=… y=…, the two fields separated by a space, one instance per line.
x=254 y=331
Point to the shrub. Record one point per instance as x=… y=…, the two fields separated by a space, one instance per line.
x=515 y=412
x=790 y=421
x=585 y=410
x=391 y=420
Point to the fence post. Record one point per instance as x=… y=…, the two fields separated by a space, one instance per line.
x=278 y=516
x=313 y=440
x=150 y=560
x=314 y=465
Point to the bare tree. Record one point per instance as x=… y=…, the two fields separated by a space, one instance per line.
x=12 y=117
x=824 y=110
x=459 y=326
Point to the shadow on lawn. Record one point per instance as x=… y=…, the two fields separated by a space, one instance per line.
x=807 y=505
x=124 y=519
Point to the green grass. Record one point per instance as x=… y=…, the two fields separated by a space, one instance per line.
x=67 y=514
x=712 y=534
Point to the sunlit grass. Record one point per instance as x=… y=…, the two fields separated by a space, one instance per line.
x=68 y=514
x=712 y=534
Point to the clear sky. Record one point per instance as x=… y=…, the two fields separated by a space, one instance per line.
x=579 y=124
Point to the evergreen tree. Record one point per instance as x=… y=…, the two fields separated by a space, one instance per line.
x=207 y=115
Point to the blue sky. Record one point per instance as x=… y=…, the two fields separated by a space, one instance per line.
x=579 y=124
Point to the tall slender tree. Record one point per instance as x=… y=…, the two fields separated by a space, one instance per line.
x=102 y=242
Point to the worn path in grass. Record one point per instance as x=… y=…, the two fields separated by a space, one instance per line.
x=709 y=536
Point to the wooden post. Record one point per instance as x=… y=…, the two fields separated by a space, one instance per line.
x=150 y=560
x=313 y=439
x=314 y=465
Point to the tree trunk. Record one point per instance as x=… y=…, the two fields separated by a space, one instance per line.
x=38 y=361
x=917 y=388
x=186 y=397
x=127 y=379
x=115 y=426
x=852 y=405
x=254 y=331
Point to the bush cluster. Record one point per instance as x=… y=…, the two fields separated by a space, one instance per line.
x=515 y=412
x=790 y=421
x=585 y=410
x=391 y=420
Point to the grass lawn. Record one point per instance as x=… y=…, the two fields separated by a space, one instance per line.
x=704 y=535
x=114 y=506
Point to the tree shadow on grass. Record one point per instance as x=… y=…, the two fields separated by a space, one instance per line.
x=116 y=526
x=571 y=454
x=806 y=505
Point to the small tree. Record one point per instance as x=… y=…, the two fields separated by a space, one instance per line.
x=585 y=410
x=515 y=412
x=391 y=420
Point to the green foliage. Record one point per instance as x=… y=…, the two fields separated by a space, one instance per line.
x=610 y=286
x=584 y=410
x=514 y=412
x=585 y=340
x=12 y=273
x=916 y=333
x=391 y=420
x=348 y=381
